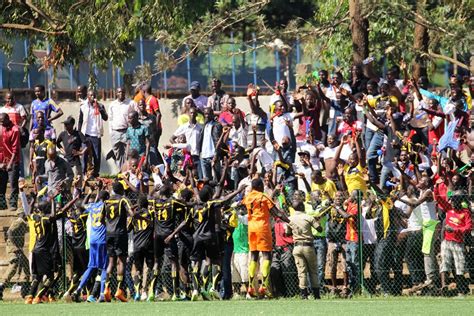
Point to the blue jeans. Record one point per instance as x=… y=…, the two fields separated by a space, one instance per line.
x=352 y=260
x=321 y=248
x=206 y=168
x=197 y=165
x=376 y=143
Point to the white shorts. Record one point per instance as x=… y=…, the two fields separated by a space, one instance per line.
x=453 y=251
x=240 y=267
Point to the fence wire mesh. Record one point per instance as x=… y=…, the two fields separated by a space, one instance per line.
x=395 y=252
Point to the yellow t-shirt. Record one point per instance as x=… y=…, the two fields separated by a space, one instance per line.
x=329 y=187
x=184 y=118
x=355 y=178
x=372 y=102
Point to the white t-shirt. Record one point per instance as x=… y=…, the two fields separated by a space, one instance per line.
x=332 y=90
x=307 y=174
x=313 y=153
x=239 y=136
x=280 y=127
x=200 y=101
x=192 y=134
x=208 y=149
x=329 y=152
x=368 y=229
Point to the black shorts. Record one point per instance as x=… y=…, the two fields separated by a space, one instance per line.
x=205 y=248
x=80 y=260
x=185 y=246
x=141 y=256
x=42 y=263
x=117 y=245
x=161 y=248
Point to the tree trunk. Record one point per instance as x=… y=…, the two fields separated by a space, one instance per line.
x=359 y=30
x=421 y=42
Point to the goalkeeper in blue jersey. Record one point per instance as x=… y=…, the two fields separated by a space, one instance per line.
x=98 y=259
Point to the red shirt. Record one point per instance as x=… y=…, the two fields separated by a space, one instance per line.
x=351 y=222
x=281 y=240
x=9 y=143
x=441 y=196
x=460 y=221
x=437 y=132
x=152 y=105
x=310 y=123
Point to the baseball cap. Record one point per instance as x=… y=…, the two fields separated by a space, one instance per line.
x=69 y=121
x=303 y=153
x=195 y=85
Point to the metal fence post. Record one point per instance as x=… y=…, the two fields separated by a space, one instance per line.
x=360 y=241
x=298 y=55
x=209 y=62
x=233 y=60
x=254 y=57
x=141 y=50
x=27 y=69
x=277 y=65
x=188 y=67
x=71 y=78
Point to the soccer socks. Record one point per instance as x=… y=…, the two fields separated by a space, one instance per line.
x=153 y=281
x=266 y=273
x=195 y=278
x=175 y=278
x=97 y=287
x=34 y=286
x=74 y=281
x=252 y=272
x=137 y=282
x=103 y=278
x=216 y=276
x=119 y=282
x=205 y=277
x=85 y=277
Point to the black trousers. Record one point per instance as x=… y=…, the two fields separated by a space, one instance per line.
x=9 y=177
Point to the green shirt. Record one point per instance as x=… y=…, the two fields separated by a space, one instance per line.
x=241 y=236
x=322 y=221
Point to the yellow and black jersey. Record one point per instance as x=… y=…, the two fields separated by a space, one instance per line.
x=204 y=219
x=44 y=230
x=142 y=228
x=116 y=211
x=165 y=215
x=79 y=231
x=336 y=226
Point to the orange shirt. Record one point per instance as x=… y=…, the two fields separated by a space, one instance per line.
x=351 y=222
x=258 y=206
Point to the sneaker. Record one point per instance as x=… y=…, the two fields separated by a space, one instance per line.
x=151 y=297
x=251 y=292
x=195 y=295
x=67 y=297
x=51 y=299
x=136 y=298
x=263 y=292
x=214 y=294
x=143 y=297
x=91 y=299
x=120 y=295
x=175 y=298
x=29 y=299
x=205 y=295
x=107 y=294
x=37 y=300
x=101 y=298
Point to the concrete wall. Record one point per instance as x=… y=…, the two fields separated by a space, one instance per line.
x=169 y=109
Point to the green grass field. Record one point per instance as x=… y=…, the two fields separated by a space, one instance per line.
x=357 y=306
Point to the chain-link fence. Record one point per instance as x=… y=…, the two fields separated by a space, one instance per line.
x=388 y=245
